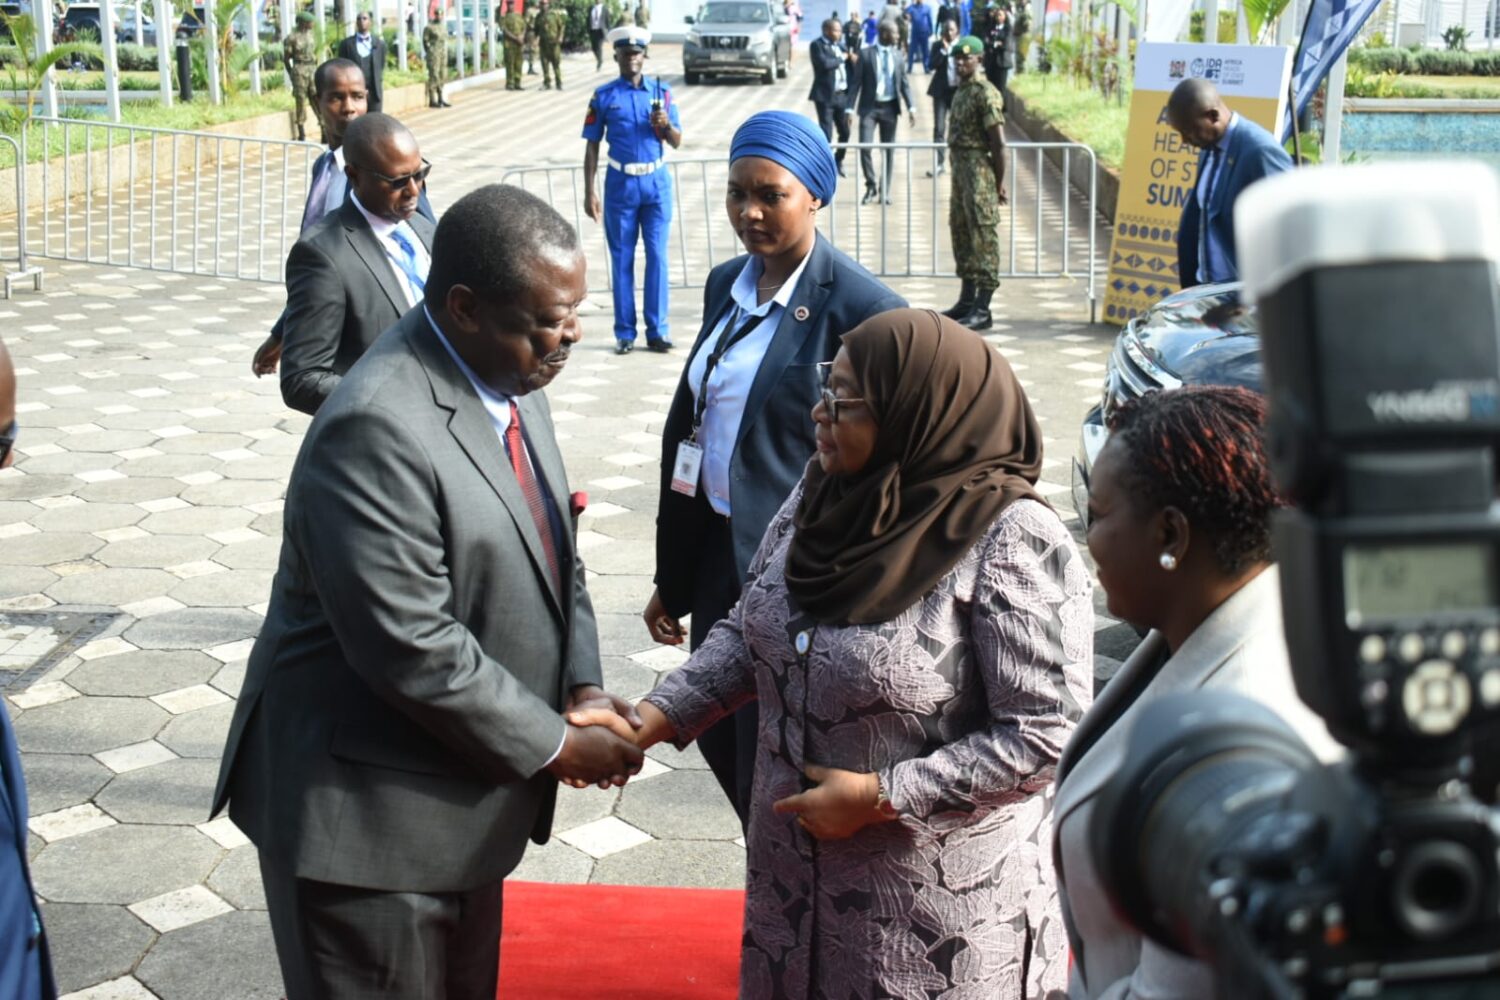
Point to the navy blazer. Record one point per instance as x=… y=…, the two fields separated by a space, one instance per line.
x=776 y=434
x=826 y=58
x=20 y=935
x=1253 y=153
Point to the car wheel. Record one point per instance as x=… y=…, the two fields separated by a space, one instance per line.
x=691 y=78
x=769 y=77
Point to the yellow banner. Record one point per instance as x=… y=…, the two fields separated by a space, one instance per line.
x=1161 y=170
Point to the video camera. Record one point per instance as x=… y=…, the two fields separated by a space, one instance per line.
x=1222 y=837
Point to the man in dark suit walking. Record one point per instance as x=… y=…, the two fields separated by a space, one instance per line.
x=400 y=734
x=1235 y=153
x=367 y=51
x=882 y=89
x=358 y=270
x=943 y=86
x=834 y=66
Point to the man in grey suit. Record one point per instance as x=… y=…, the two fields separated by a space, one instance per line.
x=882 y=89
x=359 y=269
x=399 y=733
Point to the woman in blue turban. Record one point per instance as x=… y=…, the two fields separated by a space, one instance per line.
x=740 y=429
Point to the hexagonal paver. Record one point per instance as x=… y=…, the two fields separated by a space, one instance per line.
x=92 y=943
x=237 y=879
x=236 y=493
x=57 y=781
x=178 y=791
x=48 y=547
x=687 y=805
x=17 y=581
x=553 y=862
x=193 y=628
x=156 y=551
x=715 y=864
x=88 y=725
x=88 y=517
x=577 y=806
x=123 y=864
x=236 y=588
x=143 y=673
x=200 y=733
x=197 y=520
x=111 y=587
x=627 y=679
x=243 y=954
x=259 y=554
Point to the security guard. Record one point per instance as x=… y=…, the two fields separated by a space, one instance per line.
x=300 y=52
x=513 y=27
x=435 y=47
x=642 y=14
x=551 y=28
x=638 y=115
x=530 y=39
x=976 y=152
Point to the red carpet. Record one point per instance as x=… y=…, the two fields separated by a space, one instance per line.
x=617 y=942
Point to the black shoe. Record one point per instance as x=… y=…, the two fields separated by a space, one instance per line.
x=886 y=200
x=444 y=104
x=559 y=85
x=624 y=346
x=870 y=196
x=842 y=171
x=965 y=303
x=979 y=317
x=659 y=346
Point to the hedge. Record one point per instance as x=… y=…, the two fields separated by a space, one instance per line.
x=1427 y=62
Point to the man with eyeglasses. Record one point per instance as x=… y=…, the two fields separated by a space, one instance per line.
x=360 y=269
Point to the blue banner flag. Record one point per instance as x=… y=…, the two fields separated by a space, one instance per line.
x=1331 y=26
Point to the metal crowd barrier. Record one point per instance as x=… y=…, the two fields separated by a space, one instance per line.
x=1043 y=233
x=165 y=200
x=23 y=269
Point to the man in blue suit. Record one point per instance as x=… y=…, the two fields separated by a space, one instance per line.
x=1235 y=153
x=25 y=969
x=635 y=113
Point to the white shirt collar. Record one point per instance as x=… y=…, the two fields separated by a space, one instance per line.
x=744 y=292
x=382 y=227
x=496 y=404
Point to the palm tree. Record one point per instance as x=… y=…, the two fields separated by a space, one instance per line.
x=29 y=70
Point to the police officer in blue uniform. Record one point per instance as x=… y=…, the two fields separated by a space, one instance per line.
x=637 y=115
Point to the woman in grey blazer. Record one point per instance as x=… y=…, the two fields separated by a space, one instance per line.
x=1179 y=527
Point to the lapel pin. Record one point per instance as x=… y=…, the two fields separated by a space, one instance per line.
x=801 y=314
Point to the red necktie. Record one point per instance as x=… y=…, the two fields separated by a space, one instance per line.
x=532 y=490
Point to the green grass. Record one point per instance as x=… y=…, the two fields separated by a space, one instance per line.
x=1082 y=114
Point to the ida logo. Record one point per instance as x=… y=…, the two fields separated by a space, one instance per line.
x=1177 y=69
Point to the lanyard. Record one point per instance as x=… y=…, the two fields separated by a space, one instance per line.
x=727 y=339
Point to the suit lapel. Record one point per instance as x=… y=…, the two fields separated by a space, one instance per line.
x=362 y=238
x=791 y=331
x=424 y=228
x=1230 y=156
x=471 y=428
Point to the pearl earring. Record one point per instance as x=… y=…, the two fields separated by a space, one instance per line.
x=1168 y=561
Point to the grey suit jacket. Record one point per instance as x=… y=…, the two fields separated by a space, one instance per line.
x=403 y=694
x=340 y=295
x=1241 y=648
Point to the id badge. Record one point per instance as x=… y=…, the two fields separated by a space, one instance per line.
x=685 y=470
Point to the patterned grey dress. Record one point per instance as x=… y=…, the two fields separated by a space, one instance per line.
x=962 y=704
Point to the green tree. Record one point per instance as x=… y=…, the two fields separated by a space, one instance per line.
x=28 y=71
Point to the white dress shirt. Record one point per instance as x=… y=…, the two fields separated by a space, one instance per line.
x=596 y=17
x=729 y=385
x=363 y=45
x=885 y=74
x=382 y=228
x=497 y=407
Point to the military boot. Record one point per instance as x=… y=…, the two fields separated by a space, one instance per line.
x=979 y=317
x=965 y=303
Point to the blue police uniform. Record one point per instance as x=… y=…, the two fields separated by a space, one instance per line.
x=637 y=196
x=25 y=967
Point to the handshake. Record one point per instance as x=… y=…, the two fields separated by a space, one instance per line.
x=606 y=738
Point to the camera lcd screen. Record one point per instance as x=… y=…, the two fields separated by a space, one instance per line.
x=1398 y=581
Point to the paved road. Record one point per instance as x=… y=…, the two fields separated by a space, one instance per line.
x=140 y=527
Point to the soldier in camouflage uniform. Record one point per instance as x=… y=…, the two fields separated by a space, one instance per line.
x=300 y=54
x=529 y=46
x=551 y=28
x=642 y=14
x=435 y=48
x=513 y=27
x=976 y=154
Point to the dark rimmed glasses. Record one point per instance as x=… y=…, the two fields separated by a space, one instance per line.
x=8 y=440
x=831 y=403
x=398 y=183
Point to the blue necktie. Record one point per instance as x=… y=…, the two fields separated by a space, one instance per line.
x=317 y=192
x=407 y=260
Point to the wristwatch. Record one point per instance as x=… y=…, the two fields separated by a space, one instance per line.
x=882 y=801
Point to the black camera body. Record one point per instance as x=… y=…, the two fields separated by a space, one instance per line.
x=1377 y=876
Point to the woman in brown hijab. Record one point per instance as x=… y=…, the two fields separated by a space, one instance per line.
x=918 y=628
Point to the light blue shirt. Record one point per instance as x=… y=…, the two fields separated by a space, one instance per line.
x=363 y=45
x=729 y=385
x=497 y=407
x=885 y=73
x=1215 y=261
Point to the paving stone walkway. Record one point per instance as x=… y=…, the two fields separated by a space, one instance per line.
x=140 y=528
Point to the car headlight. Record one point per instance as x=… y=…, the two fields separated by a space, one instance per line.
x=693 y=37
